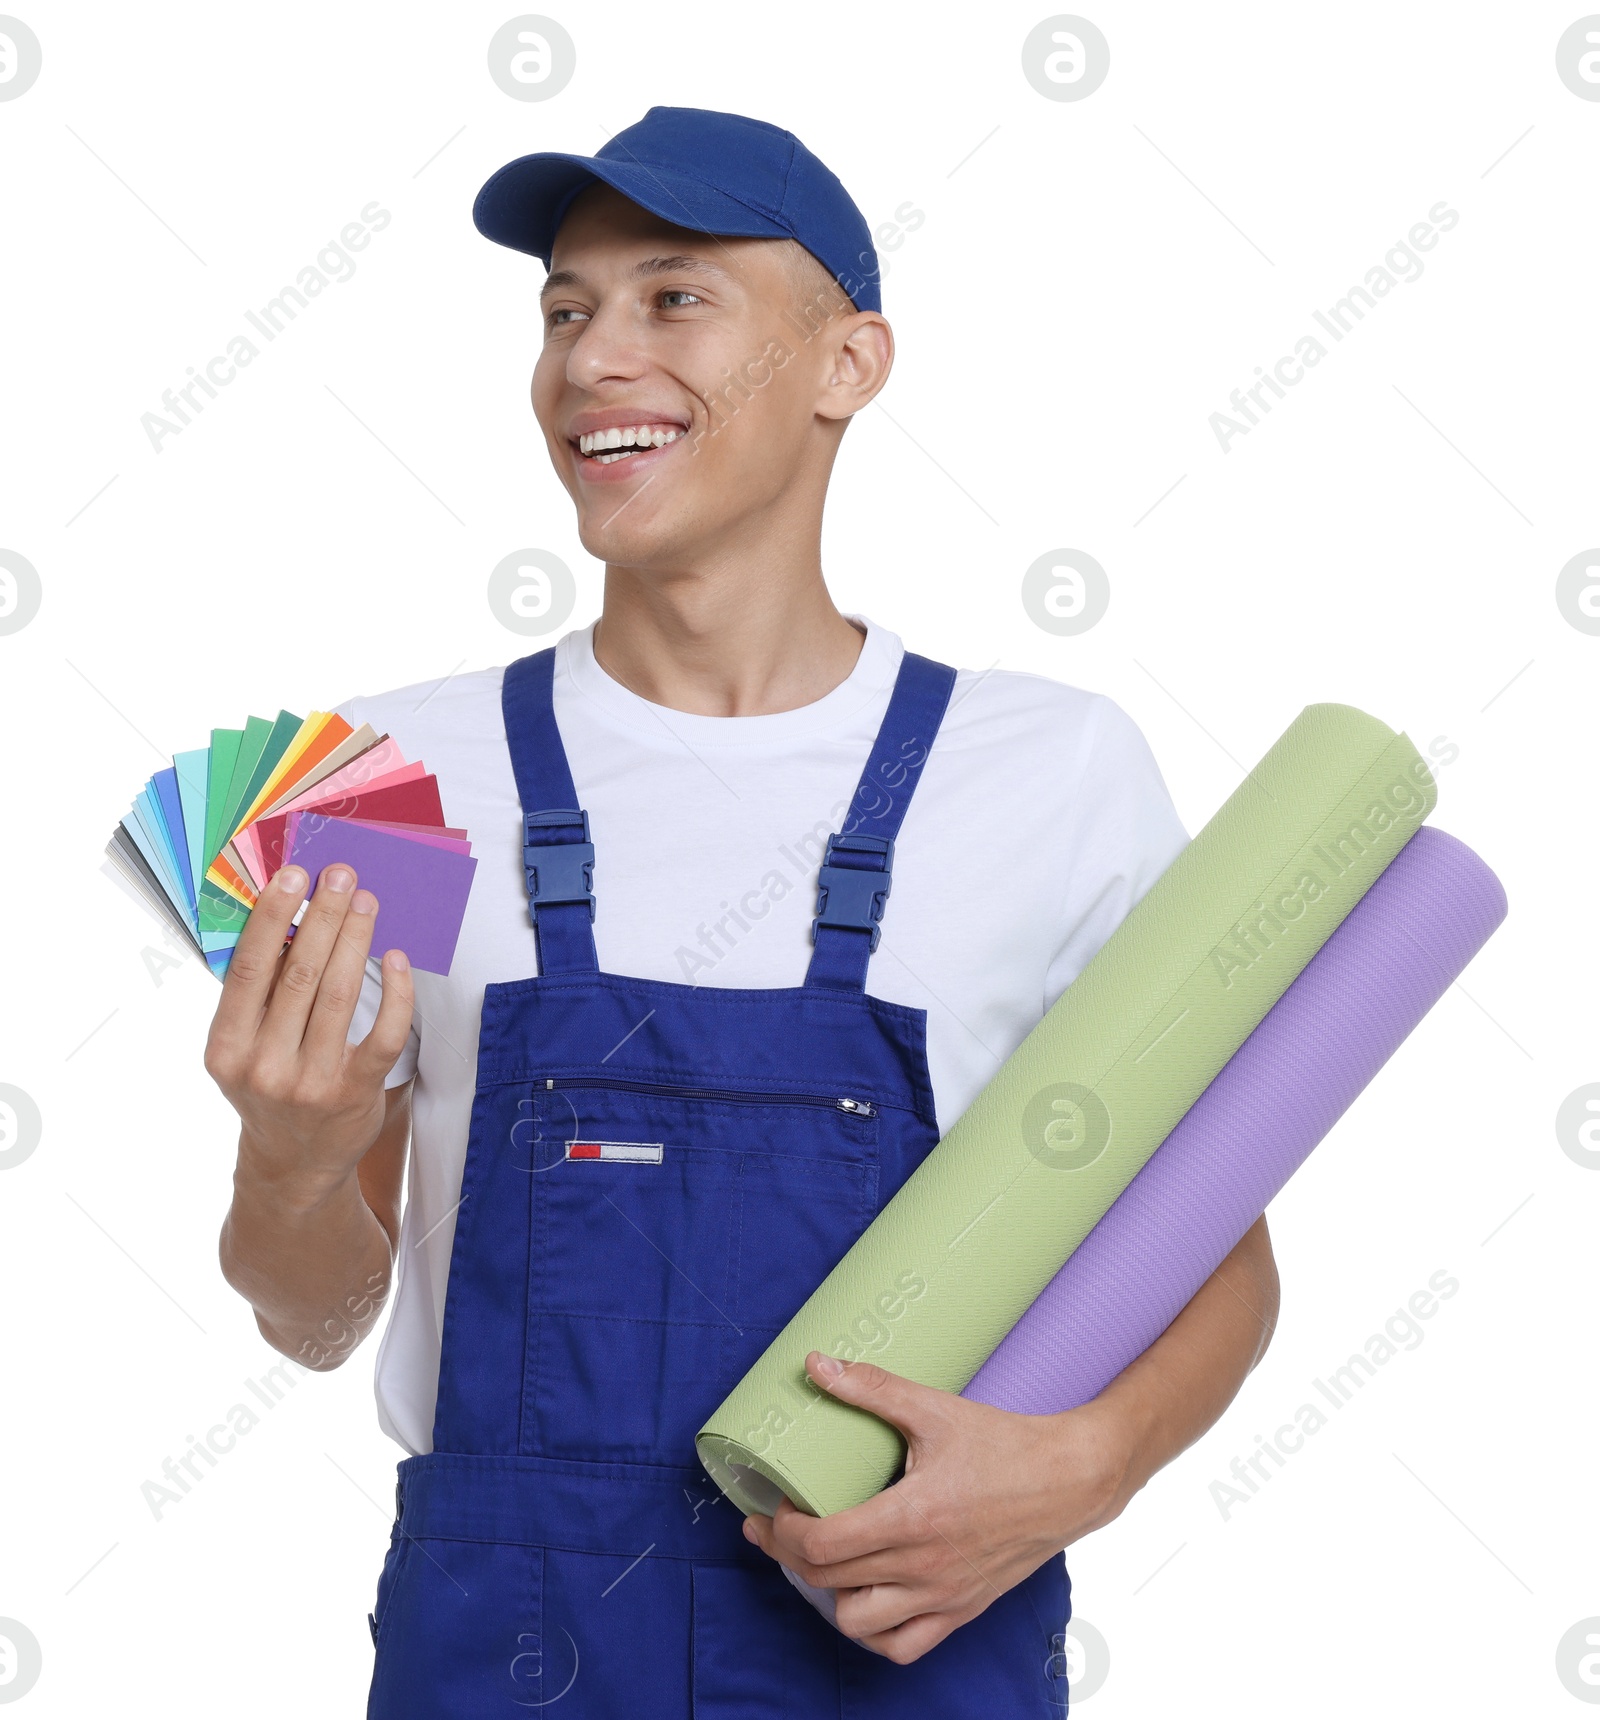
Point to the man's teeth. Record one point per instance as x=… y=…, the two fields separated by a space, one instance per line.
x=599 y=445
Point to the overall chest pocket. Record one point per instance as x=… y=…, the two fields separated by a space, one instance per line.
x=674 y=1231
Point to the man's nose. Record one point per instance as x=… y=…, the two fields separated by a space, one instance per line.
x=610 y=346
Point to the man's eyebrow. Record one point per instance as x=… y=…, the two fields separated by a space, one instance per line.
x=641 y=271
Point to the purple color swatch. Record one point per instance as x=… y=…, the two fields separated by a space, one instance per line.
x=1358 y=998
x=422 y=890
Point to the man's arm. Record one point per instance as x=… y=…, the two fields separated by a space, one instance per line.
x=988 y=1495
x=315 y=1266
x=309 y=1239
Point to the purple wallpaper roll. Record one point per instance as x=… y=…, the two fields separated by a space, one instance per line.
x=1253 y=1127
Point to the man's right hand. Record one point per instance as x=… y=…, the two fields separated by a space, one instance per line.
x=310 y=1237
x=311 y=1104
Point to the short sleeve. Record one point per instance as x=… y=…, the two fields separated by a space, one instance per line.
x=366 y=1012
x=1130 y=833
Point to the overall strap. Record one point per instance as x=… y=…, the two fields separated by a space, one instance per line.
x=854 y=881
x=557 y=855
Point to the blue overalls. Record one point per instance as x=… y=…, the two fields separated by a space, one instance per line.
x=657 y=1176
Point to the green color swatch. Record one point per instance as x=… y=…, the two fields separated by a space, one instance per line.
x=256 y=731
x=284 y=729
x=219 y=912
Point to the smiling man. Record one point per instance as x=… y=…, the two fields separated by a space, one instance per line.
x=644 y=1126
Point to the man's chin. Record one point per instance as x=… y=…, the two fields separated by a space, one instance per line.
x=622 y=542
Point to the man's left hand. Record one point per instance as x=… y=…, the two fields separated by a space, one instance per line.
x=986 y=1498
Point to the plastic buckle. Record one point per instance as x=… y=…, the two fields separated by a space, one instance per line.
x=557 y=872
x=849 y=896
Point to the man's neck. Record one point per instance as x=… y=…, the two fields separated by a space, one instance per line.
x=724 y=647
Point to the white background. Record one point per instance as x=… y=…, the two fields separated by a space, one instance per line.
x=1091 y=280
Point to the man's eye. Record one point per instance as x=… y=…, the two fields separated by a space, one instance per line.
x=678 y=293
x=558 y=317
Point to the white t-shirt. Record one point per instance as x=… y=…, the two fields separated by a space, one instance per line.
x=1040 y=819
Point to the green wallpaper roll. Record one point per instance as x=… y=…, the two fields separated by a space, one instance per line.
x=977 y=1231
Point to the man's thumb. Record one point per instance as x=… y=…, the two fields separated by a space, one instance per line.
x=913 y=1408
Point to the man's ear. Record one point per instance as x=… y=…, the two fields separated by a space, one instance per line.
x=861 y=355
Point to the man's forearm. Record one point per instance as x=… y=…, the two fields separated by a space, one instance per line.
x=313 y=1263
x=1162 y=1402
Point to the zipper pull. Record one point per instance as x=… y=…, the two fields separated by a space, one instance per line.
x=857 y=1107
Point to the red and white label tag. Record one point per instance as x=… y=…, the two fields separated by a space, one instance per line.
x=630 y=1152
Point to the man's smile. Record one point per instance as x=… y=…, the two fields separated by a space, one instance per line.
x=603 y=443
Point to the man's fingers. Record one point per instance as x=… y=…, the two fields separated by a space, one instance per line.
x=871 y=1616
x=328 y=1026
x=901 y=1642
x=889 y=1565
x=375 y=1056
x=248 y=982
x=304 y=962
x=877 y=1524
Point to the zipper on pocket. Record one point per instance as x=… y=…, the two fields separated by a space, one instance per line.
x=852 y=1107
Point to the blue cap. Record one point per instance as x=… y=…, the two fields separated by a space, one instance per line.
x=711 y=172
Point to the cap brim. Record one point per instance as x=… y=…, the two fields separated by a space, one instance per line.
x=523 y=204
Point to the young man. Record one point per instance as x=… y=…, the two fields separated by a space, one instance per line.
x=646 y=1125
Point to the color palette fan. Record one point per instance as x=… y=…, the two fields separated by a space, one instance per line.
x=206 y=834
